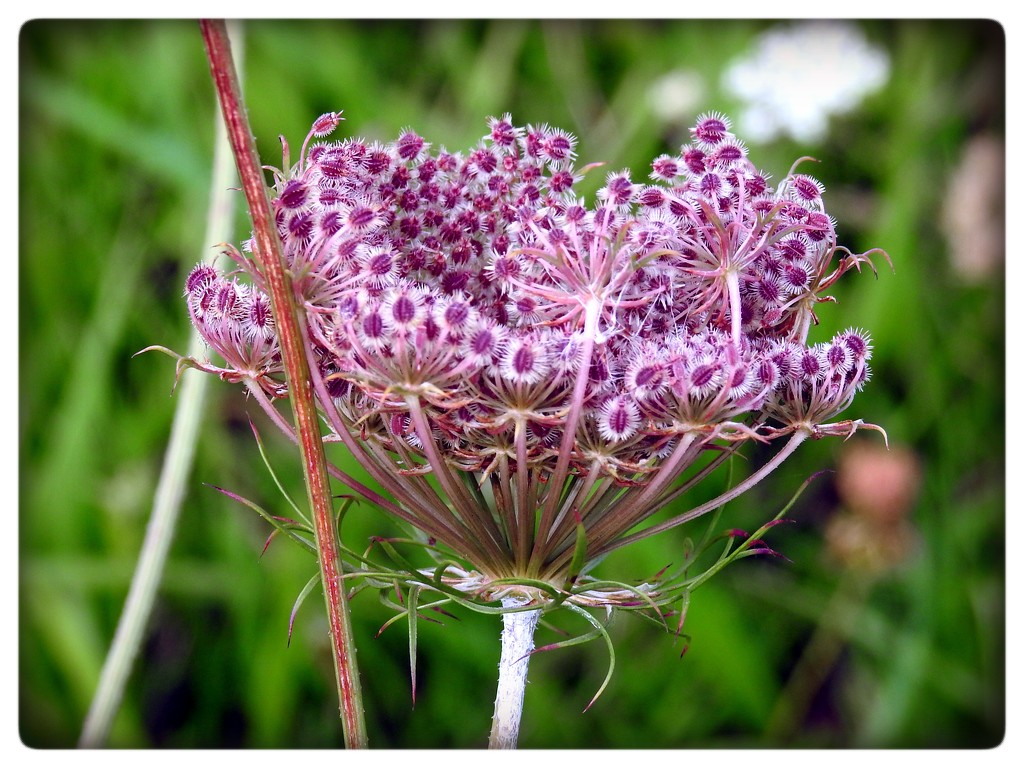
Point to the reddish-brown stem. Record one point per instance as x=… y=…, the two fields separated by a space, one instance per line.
x=286 y=316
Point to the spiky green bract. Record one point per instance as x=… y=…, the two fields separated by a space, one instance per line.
x=289 y=528
x=310 y=585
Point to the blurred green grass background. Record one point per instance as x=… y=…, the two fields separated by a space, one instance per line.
x=116 y=131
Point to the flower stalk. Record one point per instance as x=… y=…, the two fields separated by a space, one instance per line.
x=516 y=647
x=267 y=247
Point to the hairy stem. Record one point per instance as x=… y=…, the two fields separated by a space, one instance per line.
x=268 y=247
x=516 y=645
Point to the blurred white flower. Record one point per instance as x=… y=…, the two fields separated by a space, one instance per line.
x=973 y=217
x=800 y=74
x=676 y=95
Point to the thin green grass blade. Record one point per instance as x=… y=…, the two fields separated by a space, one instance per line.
x=182 y=163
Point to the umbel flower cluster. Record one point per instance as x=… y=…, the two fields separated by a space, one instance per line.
x=527 y=374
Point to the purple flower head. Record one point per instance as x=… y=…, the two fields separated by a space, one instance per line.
x=545 y=359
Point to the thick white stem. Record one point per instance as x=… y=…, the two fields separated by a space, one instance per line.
x=516 y=645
